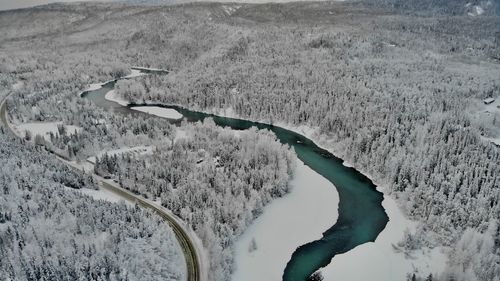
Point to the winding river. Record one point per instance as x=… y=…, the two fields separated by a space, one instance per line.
x=361 y=216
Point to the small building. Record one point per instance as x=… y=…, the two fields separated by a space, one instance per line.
x=488 y=100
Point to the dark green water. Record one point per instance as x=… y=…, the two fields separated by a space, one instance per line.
x=361 y=216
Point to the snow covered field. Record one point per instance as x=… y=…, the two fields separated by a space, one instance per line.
x=44 y=129
x=287 y=223
x=159 y=111
x=103 y=194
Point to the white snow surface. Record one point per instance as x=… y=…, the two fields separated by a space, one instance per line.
x=159 y=111
x=136 y=150
x=287 y=223
x=379 y=259
x=181 y=134
x=96 y=86
x=484 y=114
x=44 y=129
x=18 y=85
x=114 y=97
x=494 y=140
x=92 y=87
x=134 y=73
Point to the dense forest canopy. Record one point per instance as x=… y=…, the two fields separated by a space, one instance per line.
x=395 y=93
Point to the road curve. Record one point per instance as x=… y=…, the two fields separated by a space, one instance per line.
x=193 y=264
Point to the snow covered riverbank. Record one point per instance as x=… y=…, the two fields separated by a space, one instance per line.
x=268 y=261
x=287 y=223
x=159 y=111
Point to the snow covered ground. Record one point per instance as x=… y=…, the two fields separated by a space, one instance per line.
x=136 y=150
x=148 y=68
x=287 y=223
x=314 y=197
x=484 y=115
x=153 y=110
x=44 y=129
x=112 y=96
x=493 y=140
x=381 y=261
x=181 y=134
x=159 y=111
x=134 y=73
x=18 y=85
x=92 y=87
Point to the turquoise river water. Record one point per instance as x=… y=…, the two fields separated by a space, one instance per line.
x=361 y=216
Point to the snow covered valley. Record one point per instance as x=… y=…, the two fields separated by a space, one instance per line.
x=308 y=213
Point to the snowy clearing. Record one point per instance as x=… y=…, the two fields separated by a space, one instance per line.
x=112 y=96
x=136 y=150
x=44 y=129
x=103 y=194
x=485 y=115
x=159 y=111
x=385 y=263
x=301 y=216
x=495 y=141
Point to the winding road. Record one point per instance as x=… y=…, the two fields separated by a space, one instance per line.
x=193 y=263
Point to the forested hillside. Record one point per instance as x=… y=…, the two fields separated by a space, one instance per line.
x=49 y=231
x=215 y=181
x=392 y=93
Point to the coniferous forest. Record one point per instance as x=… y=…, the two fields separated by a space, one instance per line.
x=395 y=88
